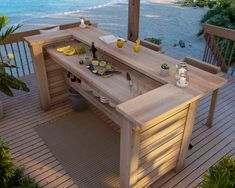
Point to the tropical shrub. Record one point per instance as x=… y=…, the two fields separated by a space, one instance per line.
x=223 y=14
x=8 y=82
x=202 y=3
x=7 y=167
x=221 y=175
x=10 y=175
x=154 y=40
x=199 y=3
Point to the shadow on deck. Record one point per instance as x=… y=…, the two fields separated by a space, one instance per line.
x=23 y=114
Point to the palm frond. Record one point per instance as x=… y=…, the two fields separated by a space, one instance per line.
x=3 y=21
x=6 y=90
x=13 y=82
x=8 y=32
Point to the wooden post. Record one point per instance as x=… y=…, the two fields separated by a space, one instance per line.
x=133 y=19
x=41 y=76
x=187 y=134
x=129 y=155
x=212 y=108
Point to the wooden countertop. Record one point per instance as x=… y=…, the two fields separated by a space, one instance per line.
x=149 y=62
x=152 y=106
x=142 y=108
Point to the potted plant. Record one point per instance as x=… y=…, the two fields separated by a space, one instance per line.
x=221 y=175
x=164 y=70
x=8 y=82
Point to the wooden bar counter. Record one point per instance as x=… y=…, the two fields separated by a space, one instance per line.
x=156 y=125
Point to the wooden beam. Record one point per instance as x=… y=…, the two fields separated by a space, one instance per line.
x=129 y=155
x=212 y=108
x=41 y=76
x=133 y=19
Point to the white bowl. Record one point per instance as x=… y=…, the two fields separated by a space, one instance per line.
x=85 y=87
x=103 y=99
x=112 y=104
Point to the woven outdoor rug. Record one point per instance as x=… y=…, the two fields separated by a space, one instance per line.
x=86 y=147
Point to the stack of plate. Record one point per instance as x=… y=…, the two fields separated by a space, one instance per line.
x=85 y=87
x=112 y=104
x=103 y=99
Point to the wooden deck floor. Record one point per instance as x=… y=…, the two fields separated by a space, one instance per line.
x=23 y=114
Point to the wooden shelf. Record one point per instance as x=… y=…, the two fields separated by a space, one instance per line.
x=109 y=111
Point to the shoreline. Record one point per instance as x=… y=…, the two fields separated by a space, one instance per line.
x=162 y=1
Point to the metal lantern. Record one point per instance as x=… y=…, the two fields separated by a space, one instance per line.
x=182 y=75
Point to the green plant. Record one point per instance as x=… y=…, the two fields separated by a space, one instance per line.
x=223 y=15
x=7 y=167
x=154 y=40
x=199 y=3
x=202 y=3
x=10 y=175
x=8 y=82
x=221 y=175
x=165 y=66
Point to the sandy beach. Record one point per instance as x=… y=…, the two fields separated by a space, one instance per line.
x=162 y=1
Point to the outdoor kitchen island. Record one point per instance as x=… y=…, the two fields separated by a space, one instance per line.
x=156 y=117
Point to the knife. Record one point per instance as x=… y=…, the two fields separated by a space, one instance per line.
x=128 y=77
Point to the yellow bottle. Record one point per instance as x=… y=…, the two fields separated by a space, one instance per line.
x=136 y=47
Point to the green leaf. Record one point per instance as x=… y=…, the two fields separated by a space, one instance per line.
x=13 y=82
x=8 y=32
x=5 y=89
x=221 y=175
x=3 y=21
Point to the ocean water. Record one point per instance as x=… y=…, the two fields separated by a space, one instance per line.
x=168 y=22
x=20 y=11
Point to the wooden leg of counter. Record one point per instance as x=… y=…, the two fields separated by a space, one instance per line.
x=129 y=155
x=212 y=108
x=187 y=134
x=41 y=76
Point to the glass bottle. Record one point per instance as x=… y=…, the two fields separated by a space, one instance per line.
x=183 y=78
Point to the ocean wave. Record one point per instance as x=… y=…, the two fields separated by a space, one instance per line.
x=24 y=17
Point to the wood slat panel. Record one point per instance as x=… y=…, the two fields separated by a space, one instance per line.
x=149 y=132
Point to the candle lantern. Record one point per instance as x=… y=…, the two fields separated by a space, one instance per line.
x=82 y=24
x=182 y=75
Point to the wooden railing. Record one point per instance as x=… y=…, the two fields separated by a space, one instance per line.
x=220 y=47
x=22 y=57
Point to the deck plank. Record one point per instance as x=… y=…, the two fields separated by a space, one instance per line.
x=22 y=115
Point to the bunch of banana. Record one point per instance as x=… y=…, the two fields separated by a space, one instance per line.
x=67 y=50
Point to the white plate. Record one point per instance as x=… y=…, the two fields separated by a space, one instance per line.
x=103 y=100
x=112 y=104
x=85 y=87
x=108 y=39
